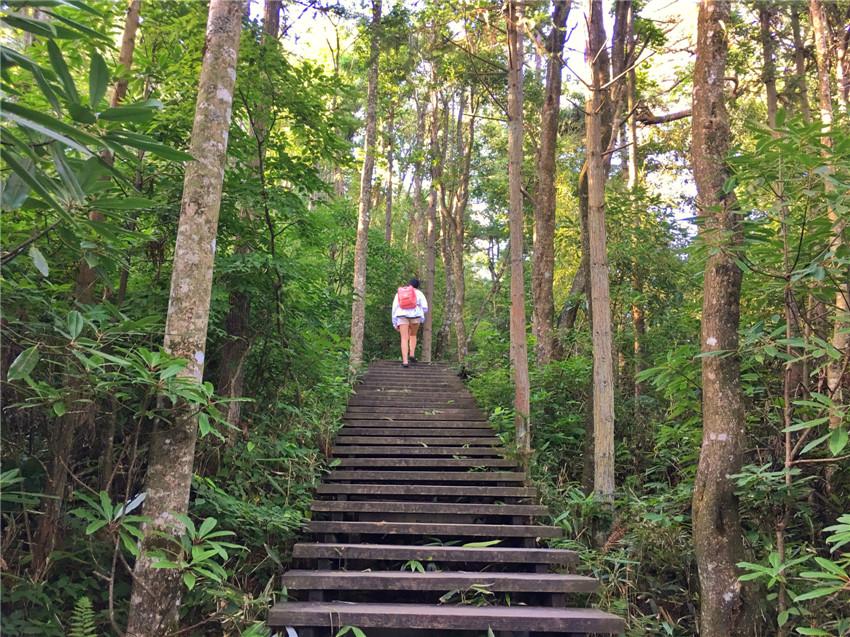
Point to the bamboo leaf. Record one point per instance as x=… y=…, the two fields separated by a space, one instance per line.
x=98 y=79
x=23 y=364
x=57 y=61
x=39 y=261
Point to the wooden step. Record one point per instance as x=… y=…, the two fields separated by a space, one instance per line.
x=404 y=552
x=478 y=432
x=373 y=450
x=401 y=413
x=447 y=463
x=411 y=403
x=427 y=476
x=355 y=506
x=436 y=529
x=413 y=424
x=455 y=491
x=298 y=579
x=433 y=617
x=440 y=441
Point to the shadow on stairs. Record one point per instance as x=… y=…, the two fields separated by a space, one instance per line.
x=424 y=527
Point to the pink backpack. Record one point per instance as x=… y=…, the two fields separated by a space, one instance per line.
x=407 y=297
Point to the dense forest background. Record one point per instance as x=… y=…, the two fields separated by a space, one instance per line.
x=403 y=119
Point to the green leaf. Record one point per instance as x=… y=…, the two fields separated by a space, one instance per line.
x=36 y=27
x=204 y=424
x=481 y=545
x=95 y=526
x=15 y=190
x=98 y=79
x=124 y=203
x=49 y=126
x=189 y=580
x=82 y=114
x=837 y=441
x=143 y=142
x=57 y=61
x=59 y=409
x=816 y=593
x=78 y=26
x=39 y=261
x=129 y=113
x=75 y=323
x=23 y=364
x=67 y=174
x=9 y=56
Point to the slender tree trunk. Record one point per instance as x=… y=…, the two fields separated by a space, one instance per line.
x=358 y=306
x=237 y=347
x=433 y=202
x=841 y=318
x=156 y=592
x=457 y=238
x=800 y=63
x=61 y=438
x=388 y=219
x=519 y=348
x=543 y=264
x=419 y=222
x=602 y=333
x=726 y=609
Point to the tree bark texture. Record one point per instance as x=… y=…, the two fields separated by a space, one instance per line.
x=388 y=217
x=725 y=608
x=156 y=592
x=435 y=160
x=543 y=264
x=358 y=305
x=419 y=222
x=519 y=348
x=602 y=333
x=841 y=316
x=800 y=64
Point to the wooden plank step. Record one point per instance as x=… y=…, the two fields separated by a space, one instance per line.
x=371 y=506
x=412 y=392
x=426 y=490
x=478 y=432
x=433 y=617
x=442 y=441
x=436 y=529
x=372 y=450
x=429 y=476
x=416 y=413
x=404 y=552
x=413 y=424
x=411 y=403
x=446 y=463
x=297 y=579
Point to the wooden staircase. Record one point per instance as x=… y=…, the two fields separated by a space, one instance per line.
x=404 y=527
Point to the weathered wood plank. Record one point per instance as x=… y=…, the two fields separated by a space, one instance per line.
x=436 y=529
x=404 y=552
x=442 y=441
x=446 y=463
x=357 y=506
x=375 y=450
x=445 y=617
x=426 y=490
x=428 y=476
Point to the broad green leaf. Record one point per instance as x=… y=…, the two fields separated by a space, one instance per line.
x=204 y=424
x=79 y=27
x=53 y=126
x=143 y=142
x=66 y=173
x=23 y=364
x=57 y=61
x=36 y=27
x=75 y=323
x=98 y=79
x=15 y=190
x=59 y=409
x=189 y=580
x=816 y=593
x=33 y=182
x=124 y=203
x=129 y=113
x=82 y=114
x=837 y=441
x=39 y=261
x=95 y=526
x=8 y=56
x=206 y=526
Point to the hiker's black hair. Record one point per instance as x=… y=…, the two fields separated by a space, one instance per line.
x=414 y=282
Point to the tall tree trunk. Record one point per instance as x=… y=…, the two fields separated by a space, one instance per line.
x=436 y=163
x=602 y=333
x=458 y=230
x=358 y=306
x=543 y=264
x=156 y=592
x=419 y=222
x=726 y=608
x=235 y=350
x=800 y=63
x=519 y=348
x=388 y=220
x=841 y=318
x=61 y=438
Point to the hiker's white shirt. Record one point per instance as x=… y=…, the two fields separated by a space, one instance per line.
x=414 y=312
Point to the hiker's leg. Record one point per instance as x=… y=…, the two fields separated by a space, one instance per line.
x=405 y=335
x=414 y=327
